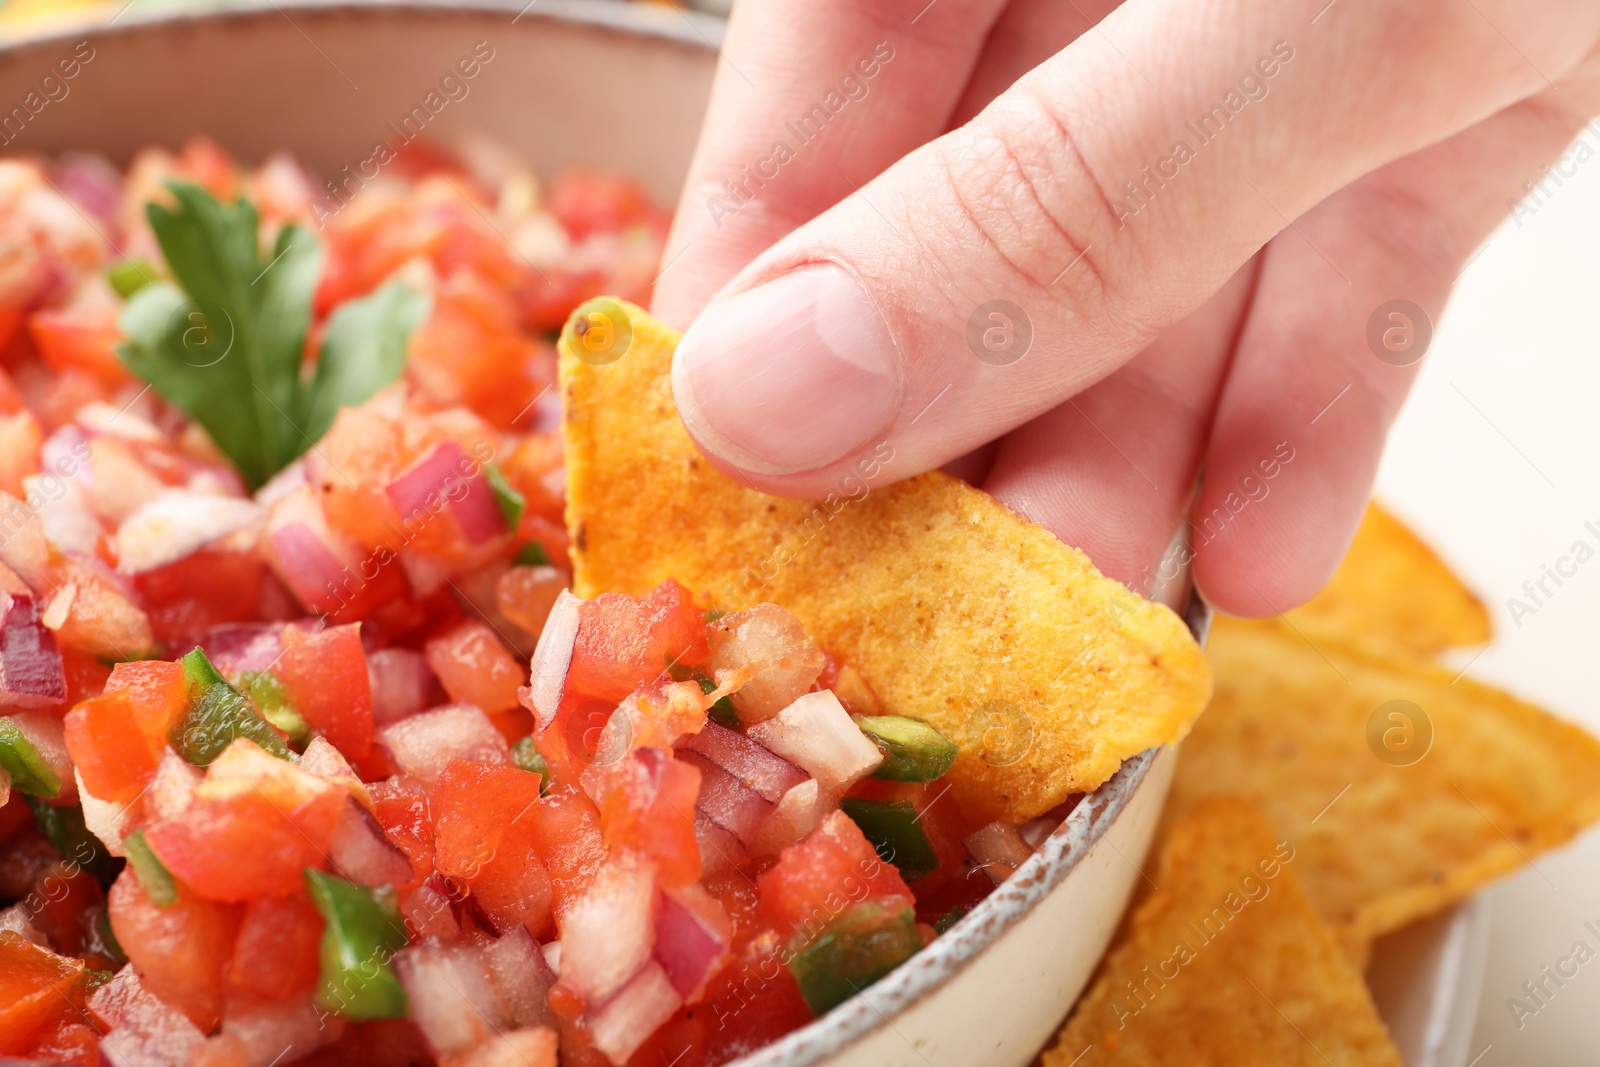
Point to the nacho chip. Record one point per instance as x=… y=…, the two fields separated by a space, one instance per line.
x=1402 y=790
x=1393 y=593
x=1227 y=964
x=957 y=611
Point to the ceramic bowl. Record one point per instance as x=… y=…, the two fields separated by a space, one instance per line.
x=623 y=86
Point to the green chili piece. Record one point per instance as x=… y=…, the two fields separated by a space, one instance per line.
x=154 y=878
x=217 y=714
x=862 y=945
x=912 y=751
x=895 y=830
x=65 y=829
x=525 y=755
x=29 y=772
x=363 y=932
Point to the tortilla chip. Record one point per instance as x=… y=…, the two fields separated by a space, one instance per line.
x=1385 y=837
x=1226 y=964
x=957 y=611
x=1393 y=593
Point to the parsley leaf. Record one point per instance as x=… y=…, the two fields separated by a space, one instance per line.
x=225 y=343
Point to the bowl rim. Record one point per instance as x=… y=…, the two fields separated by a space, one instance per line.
x=670 y=24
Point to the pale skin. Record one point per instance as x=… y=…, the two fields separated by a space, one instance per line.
x=1185 y=326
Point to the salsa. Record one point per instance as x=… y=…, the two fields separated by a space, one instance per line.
x=308 y=753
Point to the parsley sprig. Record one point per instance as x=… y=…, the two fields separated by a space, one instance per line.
x=225 y=343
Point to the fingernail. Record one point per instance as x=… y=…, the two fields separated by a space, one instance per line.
x=789 y=376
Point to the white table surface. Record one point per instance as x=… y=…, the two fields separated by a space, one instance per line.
x=1501 y=491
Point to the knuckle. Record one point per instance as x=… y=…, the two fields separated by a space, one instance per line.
x=1025 y=189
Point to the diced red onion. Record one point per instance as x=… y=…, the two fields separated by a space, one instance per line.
x=105 y=819
x=24 y=548
x=796 y=815
x=552 y=657
x=521 y=976
x=817 y=733
x=143 y=1030
x=720 y=852
x=691 y=942
x=92 y=182
x=999 y=850
x=64 y=513
x=421 y=745
x=607 y=935
x=31 y=671
x=269 y=1027
x=236 y=647
x=362 y=853
x=177 y=523
x=307 y=565
x=429 y=912
x=452 y=1001
x=431 y=485
x=768 y=774
x=47 y=734
x=402 y=684
x=627 y=1020
x=728 y=802
x=1035 y=831
x=17 y=920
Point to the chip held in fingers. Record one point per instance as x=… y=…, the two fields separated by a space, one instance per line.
x=959 y=613
x=1225 y=964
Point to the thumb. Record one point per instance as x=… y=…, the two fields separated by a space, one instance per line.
x=992 y=273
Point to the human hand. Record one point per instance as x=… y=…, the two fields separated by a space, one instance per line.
x=1171 y=309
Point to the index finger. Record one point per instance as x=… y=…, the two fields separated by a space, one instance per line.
x=812 y=100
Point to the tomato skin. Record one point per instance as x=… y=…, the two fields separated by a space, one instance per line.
x=180 y=951
x=86 y=676
x=819 y=876
x=37 y=988
x=649 y=809
x=588 y=202
x=159 y=692
x=82 y=338
x=276 y=954
x=471 y=351
x=68 y=1041
x=325 y=672
x=624 y=642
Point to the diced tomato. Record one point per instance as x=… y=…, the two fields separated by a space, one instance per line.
x=325 y=672
x=69 y=1040
x=14 y=815
x=532 y=467
x=549 y=297
x=159 y=693
x=568 y=838
x=252 y=827
x=180 y=951
x=209 y=165
x=383 y=1043
x=275 y=955
x=20 y=438
x=475 y=667
x=818 y=877
x=751 y=1002
x=400 y=805
x=472 y=351
x=941 y=822
x=589 y=202
x=108 y=749
x=513 y=723
x=36 y=986
x=84 y=338
x=86 y=676
x=649 y=809
x=513 y=888
x=472 y=805
x=624 y=642
x=199 y=591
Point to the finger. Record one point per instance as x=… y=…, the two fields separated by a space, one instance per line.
x=812 y=101
x=1112 y=470
x=1315 y=384
x=858 y=329
x=1026 y=34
